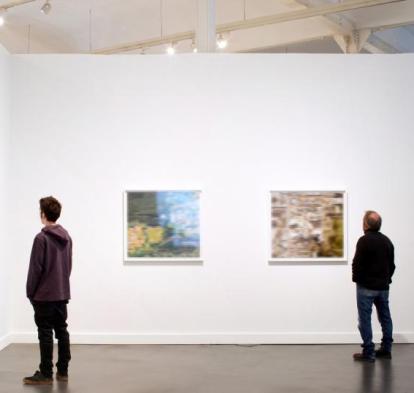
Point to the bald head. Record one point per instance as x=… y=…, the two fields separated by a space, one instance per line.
x=372 y=221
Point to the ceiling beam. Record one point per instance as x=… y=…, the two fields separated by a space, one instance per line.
x=15 y=3
x=280 y=35
x=321 y=10
x=381 y=26
x=401 y=14
x=353 y=40
x=347 y=38
x=292 y=35
x=168 y=39
x=340 y=23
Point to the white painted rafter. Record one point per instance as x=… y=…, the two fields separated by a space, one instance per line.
x=320 y=10
x=350 y=39
x=340 y=22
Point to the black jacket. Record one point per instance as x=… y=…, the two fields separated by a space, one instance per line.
x=373 y=264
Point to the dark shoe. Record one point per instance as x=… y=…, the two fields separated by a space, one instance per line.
x=383 y=354
x=360 y=357
x=38 y=379
x=62 y=377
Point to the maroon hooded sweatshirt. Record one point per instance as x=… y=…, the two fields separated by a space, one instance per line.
x=50 y=265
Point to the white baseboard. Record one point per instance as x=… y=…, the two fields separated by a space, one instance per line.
x=216 y=338
x=5 y=341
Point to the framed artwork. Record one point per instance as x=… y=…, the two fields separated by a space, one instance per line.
x=162 y=226
x=308 y=226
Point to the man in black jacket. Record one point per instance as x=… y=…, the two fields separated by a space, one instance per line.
x=372 y=269
x=48 y=290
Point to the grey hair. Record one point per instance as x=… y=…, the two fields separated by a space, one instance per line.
x=373 y=220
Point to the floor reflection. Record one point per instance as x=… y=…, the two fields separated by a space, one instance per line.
x=387 y=375
x=376 y=377
x=56 y=387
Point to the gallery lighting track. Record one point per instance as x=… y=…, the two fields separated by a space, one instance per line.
x=322 y=10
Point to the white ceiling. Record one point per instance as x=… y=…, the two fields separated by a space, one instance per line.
x=81 y=26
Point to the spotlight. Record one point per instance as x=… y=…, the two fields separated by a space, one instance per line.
x=170 y=49
x=2 y=20
x=194 y=47
x=46 y=8
x=222 y=42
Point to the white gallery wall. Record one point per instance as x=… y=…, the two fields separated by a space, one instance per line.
x=5 y=263
x=234 y=126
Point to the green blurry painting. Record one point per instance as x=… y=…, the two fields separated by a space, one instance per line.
x=162 y=224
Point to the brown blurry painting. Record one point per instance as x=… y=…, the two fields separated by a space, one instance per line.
x=308 y=225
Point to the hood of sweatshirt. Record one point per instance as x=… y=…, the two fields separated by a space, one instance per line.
x=58 y=233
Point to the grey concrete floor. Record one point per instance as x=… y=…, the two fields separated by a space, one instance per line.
x=214 y=368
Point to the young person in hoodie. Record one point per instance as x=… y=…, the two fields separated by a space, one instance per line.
x=48 y=290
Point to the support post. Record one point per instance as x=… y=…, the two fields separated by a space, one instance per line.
x=205 y=37
x=353 y=43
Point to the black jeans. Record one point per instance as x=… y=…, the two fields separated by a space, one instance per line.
x=49 y=317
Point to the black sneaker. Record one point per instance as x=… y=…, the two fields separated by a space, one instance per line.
x=62 y=377
x=38 y=379
x=383 y=354
x=360 y=357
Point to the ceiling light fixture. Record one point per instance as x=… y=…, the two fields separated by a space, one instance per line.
x=171 y=49
x=194 y=47
x=2 y=20
x=222 y=42
x=46 y=8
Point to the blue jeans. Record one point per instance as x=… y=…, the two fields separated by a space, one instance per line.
x=365 y=299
